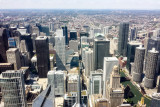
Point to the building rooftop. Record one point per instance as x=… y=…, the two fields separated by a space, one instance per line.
x=12 y=49
x=110 y=59
x=41 y=38
x=5 y=64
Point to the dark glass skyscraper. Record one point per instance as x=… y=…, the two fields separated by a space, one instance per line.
x=123 y=38
x=100 y=50
x=73 y=35
x=65 y=33
x=3 y=45
x=131 y=48
x=42 y=52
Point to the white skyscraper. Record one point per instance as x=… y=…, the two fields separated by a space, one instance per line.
x=109 y=63
x=88 y=62
x=60 y=49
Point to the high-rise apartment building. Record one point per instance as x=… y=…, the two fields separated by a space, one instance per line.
x=13 y=56
x=100 y=50
x=138 y=64
x=155 y=102
x=13 y=90
x=3 y=45
x=123 y=38
x=151 y=65
x=42 y=53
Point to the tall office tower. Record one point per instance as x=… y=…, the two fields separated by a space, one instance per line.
x=131 y=48
x=115 y=78
x=86 y=28
x=23 y=46
x=96 y=82
x=73 y=44
x=13 y=56
x=115 y=93
x=65 y=34
x=138 y=64
x=34 y=35
x=51 y=26
x=60 y=52
x=106 y=30
x=108 y=64
x=88 y=62
x=50 y=77
x=151 y=65
x=42 y=52
x=73 y=35
x=3 y=45
x=83 y=54
x=6 y=66
x=155 y=102
x=79 y=102
x=123 y=38
x=133 y=34
x=59 y=83
x=13 y=90
x=36 y=30
x=28 y=39
x=84 y=34
x=100 y=50
x=72 y=83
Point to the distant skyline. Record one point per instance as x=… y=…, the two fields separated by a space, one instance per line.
x=81 y=4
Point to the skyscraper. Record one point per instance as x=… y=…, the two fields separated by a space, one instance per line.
x=100 y=50
x=88 y=62
x=73 y=35
x=96 y=82
x=151 y=65
x=155 y=102
x=109 y=63
x=65 y=34
x=73 y=44
x=79 y=102
x=60 y=52
x=131 y=48
x=3 y=45
x=57 y=80
x=13 y=90
x=138 y=64
x=115 y=92
x=42 y=52
x=123 y=38
x=133 y=34
x=13 y=56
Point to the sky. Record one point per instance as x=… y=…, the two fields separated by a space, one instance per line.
x=80 y=4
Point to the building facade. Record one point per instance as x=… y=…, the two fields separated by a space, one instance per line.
x=123 y=38
x=13 y=90
x=13 y=56
x=42 y=53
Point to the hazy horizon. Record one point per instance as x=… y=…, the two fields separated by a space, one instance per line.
x=82 y=4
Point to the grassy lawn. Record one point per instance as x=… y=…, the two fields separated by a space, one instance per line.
x=135 y=91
